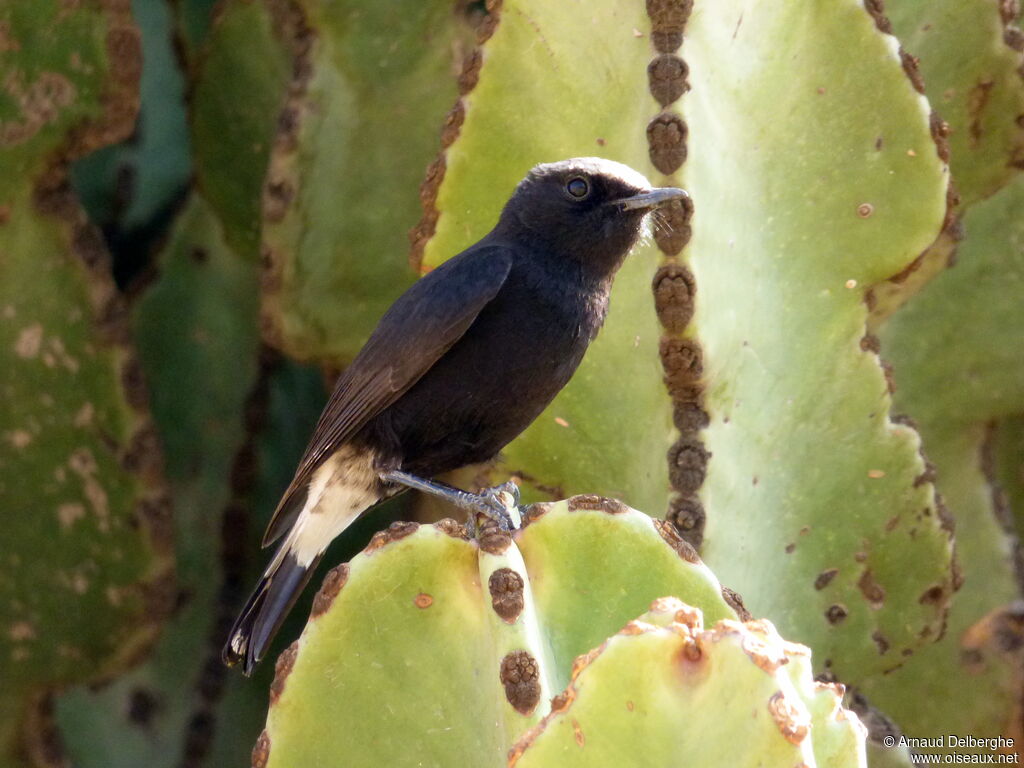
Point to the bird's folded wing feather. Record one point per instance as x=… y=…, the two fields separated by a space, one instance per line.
x=412 y=335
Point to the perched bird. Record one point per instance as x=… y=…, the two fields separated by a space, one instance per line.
x=459 y=365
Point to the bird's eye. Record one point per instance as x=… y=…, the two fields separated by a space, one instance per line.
x=577 y=187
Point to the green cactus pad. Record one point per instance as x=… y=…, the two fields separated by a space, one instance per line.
x=85 y=574
x=372 y=83
x=972 y=77
x=197 y=323
x=425 y=610
x=956 y=349
x=87 y=81
x=979 y=305
x=197 y=334
x=533 y=61
x=809 y=479
x=596 y=543
x=980 y=681
x=971 y=66
x=665 y=691
x=241 y=85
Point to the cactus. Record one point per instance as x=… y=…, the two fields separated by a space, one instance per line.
x=969 y=55
x=130 y=188
x=370 y=85
x=628 y=696
x=970 y=65
x=198 y=323
x=548 y=597
x=241 y=83
x=821 y=206
x=1009 y=469
x=86 y=575
x=863 y=547
x=953 y=393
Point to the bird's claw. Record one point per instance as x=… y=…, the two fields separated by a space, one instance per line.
x=510 y=488
x=494 y=507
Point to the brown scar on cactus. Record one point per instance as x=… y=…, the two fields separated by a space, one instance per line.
x=672 y=229
x=687 y=461
x=42 y=743
x=934 y=595
x=793 y=719
x=910 y=66
x=666 y=140
x=674 y=290
x=683 y=362
x=520 y=676
x=452 y=528
x=687 y=514
x=332 y=585
x=596 y=503
x=491 y=538
x=824 y=578
x=977 y=100
x=871 y=589
x=394 y=532
x=689 y=416
x=536 y=511
x=666 y=78
x=668 y=18
x=880 y=642
x=506 y=590
x=282 y=668
x=261 y=751
x=835 y=613
x=682 y=547
x=733 y=599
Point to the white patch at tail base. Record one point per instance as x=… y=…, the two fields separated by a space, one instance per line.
x=342 y=488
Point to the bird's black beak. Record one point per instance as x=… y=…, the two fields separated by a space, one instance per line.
x=655 y=198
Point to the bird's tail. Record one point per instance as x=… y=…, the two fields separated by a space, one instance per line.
x=339 y=491
x=274 y=596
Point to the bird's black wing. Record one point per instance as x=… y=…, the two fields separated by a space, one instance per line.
x=412 y=335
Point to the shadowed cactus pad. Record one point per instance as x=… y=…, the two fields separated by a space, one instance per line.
x=458 y=646
x=85 y=577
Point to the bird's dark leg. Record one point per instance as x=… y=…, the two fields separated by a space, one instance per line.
x=488 y=503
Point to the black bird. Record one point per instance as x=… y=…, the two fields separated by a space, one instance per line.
x=459 y=365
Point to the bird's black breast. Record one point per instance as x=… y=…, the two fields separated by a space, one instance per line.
x=512 y=361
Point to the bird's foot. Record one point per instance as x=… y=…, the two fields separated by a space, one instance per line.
x=494 y=504
x=507 y=488
x=491 y=503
